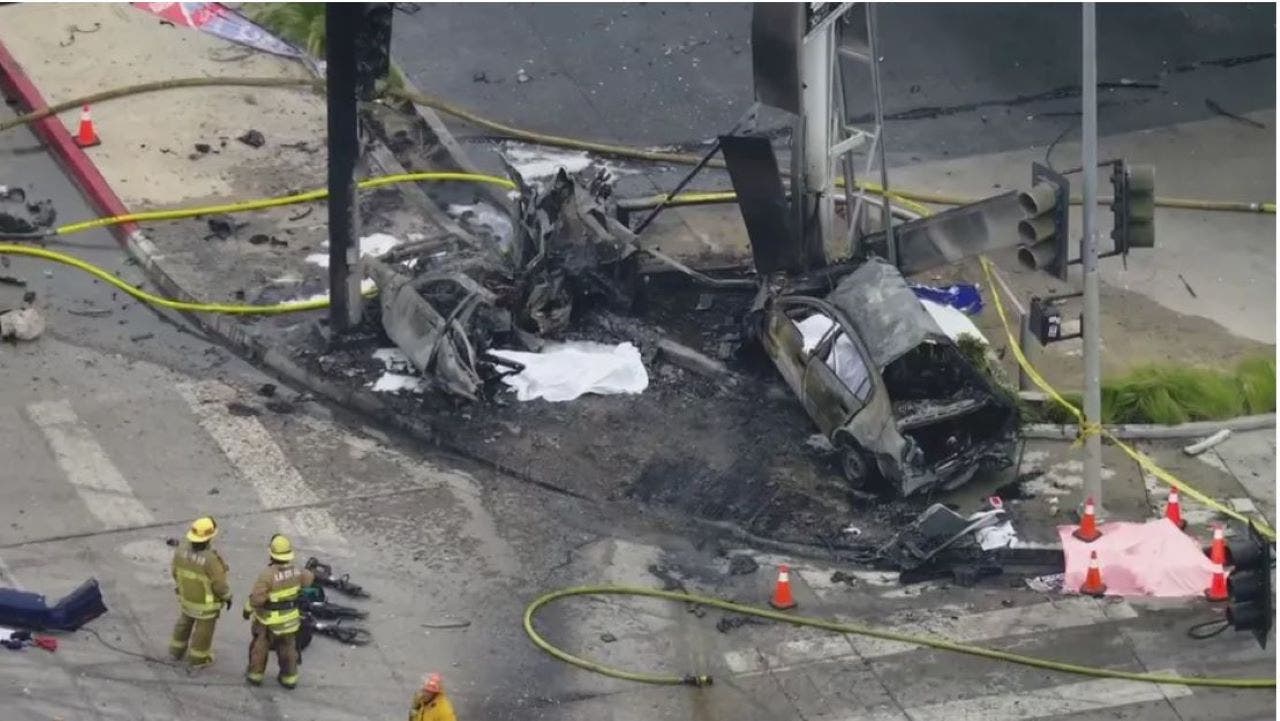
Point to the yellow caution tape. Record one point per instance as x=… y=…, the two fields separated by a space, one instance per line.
x=1090 y=427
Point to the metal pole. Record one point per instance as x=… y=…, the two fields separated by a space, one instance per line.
x=873 y=40
x=816 y=82
x=1024 y=343
x=345 y=303
x=1089 y=260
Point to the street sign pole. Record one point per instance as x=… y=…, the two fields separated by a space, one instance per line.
x=1089 y=260
x=343 y=21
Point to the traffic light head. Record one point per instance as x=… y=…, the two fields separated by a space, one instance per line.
x=1134 y=206
x=1042 y=232
x=1251 y=603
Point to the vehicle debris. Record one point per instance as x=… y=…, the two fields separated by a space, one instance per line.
x=937 y=528
x=742 y=564
x=252 y=138
x=729 y=622
x=325 y=576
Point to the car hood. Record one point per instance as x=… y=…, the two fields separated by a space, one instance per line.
x=889 y=317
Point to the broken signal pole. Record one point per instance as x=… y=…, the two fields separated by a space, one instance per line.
x=357 y=54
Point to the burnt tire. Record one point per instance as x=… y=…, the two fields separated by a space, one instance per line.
x=861 y=473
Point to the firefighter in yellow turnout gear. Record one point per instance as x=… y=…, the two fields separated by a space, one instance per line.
x=200 y=580
x=430 y=703
x=274 y=605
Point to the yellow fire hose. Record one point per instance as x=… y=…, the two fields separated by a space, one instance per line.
x=559 y=141
x=699 y=679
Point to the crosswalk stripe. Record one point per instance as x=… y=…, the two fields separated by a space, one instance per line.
x=1037 y=703
x=100 y=484
x=260 y=460
x=965 y=627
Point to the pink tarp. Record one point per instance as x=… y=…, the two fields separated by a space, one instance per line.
x=1139 y=559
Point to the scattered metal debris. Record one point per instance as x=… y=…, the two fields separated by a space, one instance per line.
x=240 y=410
x=252 y=138
x=730 y=622
x=742 y=564
x=934 y=530
x=223 y=226
x=1187 y=285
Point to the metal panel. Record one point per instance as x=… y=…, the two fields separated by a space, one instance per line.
x=753 y=169
x=777 y=31
x=955 y=234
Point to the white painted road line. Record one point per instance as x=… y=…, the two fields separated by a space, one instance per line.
x=87 y=467
x=1038 y=703
x=260 y=460
x=1071 y=612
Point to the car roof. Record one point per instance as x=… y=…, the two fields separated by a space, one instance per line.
x=886 y=312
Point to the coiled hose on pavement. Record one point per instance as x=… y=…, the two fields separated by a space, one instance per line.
x=698 y=679
x=559 y=141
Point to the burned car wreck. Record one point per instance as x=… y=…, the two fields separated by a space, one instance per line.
x=892 y=392
x=904 y=407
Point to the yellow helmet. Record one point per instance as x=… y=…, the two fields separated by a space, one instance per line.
x=202 y=530
x=281 y=549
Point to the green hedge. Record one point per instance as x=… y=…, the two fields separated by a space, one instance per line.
x=1168 y=395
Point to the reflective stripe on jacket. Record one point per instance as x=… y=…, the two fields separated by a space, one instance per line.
x=201 y=580
x=275 y=598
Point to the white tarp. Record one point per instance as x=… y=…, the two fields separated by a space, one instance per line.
x=565 y=371
x=843 y=359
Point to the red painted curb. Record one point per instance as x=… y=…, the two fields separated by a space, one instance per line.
x=15 y=83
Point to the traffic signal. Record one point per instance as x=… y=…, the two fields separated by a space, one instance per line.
x=1134 y=206
x=1042 y=233
x=1250 y=603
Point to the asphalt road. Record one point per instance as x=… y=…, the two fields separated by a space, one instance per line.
x=963 y=79
x=118 y=433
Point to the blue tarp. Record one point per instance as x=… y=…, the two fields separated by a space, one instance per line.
x=24 y=609
x=964 y=297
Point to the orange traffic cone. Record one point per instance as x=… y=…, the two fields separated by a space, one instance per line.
x=87 y=137
x=1173 y=510
x=1093 y=585
x=1218 y=551
x=782 y=598
x=1217 y=590
x=1088 y=529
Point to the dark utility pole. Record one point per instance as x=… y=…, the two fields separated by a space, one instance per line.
x=342 y=22
x=358 y=54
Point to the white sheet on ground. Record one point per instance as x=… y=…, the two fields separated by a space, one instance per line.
x=1139 y=559
x=565 y=371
